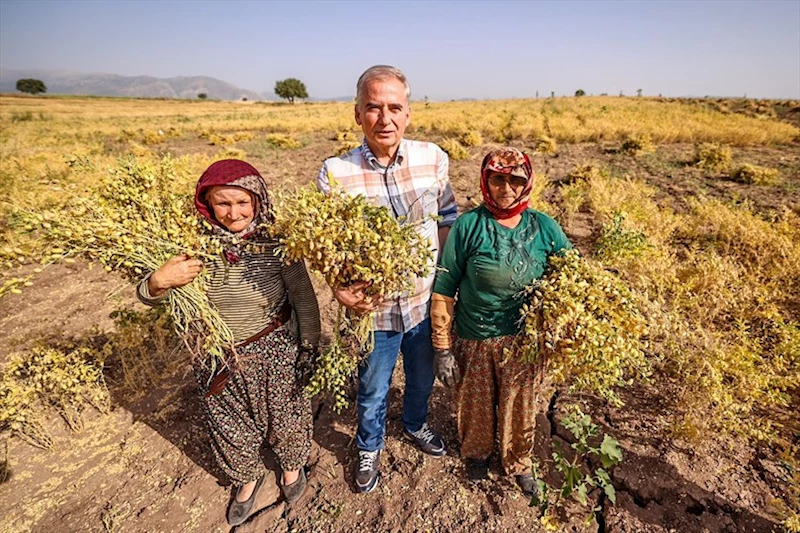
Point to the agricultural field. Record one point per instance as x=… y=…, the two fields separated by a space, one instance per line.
x=692 y=204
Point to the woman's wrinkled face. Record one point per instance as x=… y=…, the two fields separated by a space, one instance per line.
x=233 y=207
x=505 y=189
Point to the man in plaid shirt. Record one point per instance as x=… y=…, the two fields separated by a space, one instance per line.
x=410 y=179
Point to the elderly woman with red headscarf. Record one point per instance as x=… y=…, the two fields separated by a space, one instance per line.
x=492 y=253
x=273 y=313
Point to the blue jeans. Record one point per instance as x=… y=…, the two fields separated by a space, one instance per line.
x=375 y=377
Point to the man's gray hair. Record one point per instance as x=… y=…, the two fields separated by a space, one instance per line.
x=382 y=73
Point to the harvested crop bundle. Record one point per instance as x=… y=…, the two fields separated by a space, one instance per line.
x=347 y=240
x=133 y=223
x=585 y=323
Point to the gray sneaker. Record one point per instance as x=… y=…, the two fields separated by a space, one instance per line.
x=426 y=440
x=368 y=470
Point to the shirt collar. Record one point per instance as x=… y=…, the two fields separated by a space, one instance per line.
x=373 y=161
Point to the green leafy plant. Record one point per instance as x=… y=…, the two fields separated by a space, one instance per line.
x=291 y=88
x=346 y=239
x=617 y=241
x=578 y=477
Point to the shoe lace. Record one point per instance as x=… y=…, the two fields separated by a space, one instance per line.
x=424 y=433
x=366 y=460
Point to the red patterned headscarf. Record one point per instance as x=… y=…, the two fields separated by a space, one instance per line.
x=234 y=173
x=506 y=161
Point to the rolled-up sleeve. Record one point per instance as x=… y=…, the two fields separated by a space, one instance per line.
x=448 y=209
x=143 y=293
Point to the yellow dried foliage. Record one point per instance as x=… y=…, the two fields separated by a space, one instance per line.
x=345 y=239
x=712 y=157
x=64 y=379
x=132 y=223
x=454 y=149
x=585 y=324
x=756 y=175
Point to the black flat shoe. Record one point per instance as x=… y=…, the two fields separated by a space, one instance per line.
x=477 y=469
x=293 y=491
x=527 y=484
x=239 y=512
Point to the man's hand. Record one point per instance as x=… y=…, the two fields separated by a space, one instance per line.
x=445 y=367
x=177 y=272
x=354 y=298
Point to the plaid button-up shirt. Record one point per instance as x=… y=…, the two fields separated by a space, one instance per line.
x=414 y=186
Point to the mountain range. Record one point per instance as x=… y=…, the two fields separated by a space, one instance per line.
x=102 y=84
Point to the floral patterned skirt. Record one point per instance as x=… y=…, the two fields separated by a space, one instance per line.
x=498 y=397
x=261 y=400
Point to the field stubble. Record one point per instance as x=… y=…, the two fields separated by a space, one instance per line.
x=714 y=260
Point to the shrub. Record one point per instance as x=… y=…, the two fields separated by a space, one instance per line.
x=586 y=172
x=64 y=379
x=283 y=141
x=31 y=86
x=546 y=145
x=346 y=146
x=755 y=174
x=471 y=138
x=454 y=149
x=343 y=136
x=24 y=116
x=637 y=145
x=617 y=241
x=712 y=157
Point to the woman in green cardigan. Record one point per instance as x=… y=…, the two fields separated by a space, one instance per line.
x=492 y=253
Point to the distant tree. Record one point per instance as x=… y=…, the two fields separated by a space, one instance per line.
x=552 y=94
x=291 y=88
x=537 y=93
x=639 y=93
x=244 y=98
x=603 y=94
x=202 y=96
x=580 y=92
x=620 y=94
x=31 y=86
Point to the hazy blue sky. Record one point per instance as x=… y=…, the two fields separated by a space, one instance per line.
x=448 y=50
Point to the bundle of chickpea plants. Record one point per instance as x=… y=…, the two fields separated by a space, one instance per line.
x=132 y=224
x=346 y=240
x=586 y=326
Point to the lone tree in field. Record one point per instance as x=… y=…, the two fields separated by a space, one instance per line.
x=31 y=86
x=580 y=92
x=291 y=88
x=202 y=96
x=639 y=93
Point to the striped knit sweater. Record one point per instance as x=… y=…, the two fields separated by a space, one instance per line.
x=250 y=293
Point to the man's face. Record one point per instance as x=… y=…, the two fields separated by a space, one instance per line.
x=383 y=115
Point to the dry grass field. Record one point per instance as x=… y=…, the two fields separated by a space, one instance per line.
x=693 y=204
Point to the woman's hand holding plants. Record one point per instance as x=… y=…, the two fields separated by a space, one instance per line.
x=177 y=272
